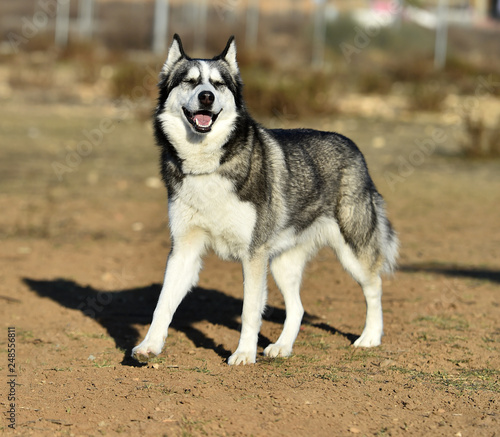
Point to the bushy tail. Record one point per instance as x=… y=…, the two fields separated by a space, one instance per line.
x=387 y=238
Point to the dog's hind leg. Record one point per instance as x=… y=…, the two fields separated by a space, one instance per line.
x=254 y=301
x=373 y=331
x=287 y=271
x=371 y=283
x=183 y=266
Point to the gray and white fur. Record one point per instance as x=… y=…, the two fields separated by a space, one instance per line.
x=261 y=196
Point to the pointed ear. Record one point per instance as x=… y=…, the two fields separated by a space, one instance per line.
x=229 y=55
x=175 y=54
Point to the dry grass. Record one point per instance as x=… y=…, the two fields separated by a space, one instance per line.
x=288 y=95
x=480 y=141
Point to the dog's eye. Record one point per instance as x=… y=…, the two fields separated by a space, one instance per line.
x=217 y=83
x=191 y=81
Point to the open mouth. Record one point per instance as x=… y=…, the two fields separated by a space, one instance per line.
x=202 y=121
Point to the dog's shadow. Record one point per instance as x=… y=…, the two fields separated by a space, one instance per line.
x=120 y=310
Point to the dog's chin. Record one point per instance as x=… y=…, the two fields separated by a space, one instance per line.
x=201 y=121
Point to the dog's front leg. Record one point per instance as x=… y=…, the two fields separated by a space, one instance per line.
x=183 y=266
x=254 y=301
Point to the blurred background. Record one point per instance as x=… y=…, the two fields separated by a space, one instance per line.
x=297 y=56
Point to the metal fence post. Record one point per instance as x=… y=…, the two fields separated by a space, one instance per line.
x=252 y=30
x=319 y=34
x=160 y=27
x=441 y=35
x=62 y=23
x=85 y=18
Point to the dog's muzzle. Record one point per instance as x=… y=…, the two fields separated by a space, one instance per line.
x=202 y=121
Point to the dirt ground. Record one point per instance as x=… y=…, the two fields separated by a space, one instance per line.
x=84 y=244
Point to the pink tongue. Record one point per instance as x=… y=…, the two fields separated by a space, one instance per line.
x=202 y=119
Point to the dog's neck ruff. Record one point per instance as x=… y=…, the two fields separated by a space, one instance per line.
x=197 y=173
x=200 y=167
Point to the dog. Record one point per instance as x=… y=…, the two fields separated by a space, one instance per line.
x=264 y=197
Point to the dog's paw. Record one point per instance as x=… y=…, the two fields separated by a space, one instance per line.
x=143 y=353
x=368 y=339
x=277 y=350
x=242 y=358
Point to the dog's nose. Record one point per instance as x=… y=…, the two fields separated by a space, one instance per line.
x=206 y=98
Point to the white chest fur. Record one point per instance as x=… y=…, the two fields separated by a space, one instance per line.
x=208 y=202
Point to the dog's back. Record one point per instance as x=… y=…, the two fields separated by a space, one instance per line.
x=294 y=177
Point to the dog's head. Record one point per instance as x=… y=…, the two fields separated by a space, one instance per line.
x=199 y=98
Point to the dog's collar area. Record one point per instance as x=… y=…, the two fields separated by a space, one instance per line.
x=202 y=121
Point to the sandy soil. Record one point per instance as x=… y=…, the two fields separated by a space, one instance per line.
x=82 y=260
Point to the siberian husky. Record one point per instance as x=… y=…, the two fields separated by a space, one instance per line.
x=261 y=196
